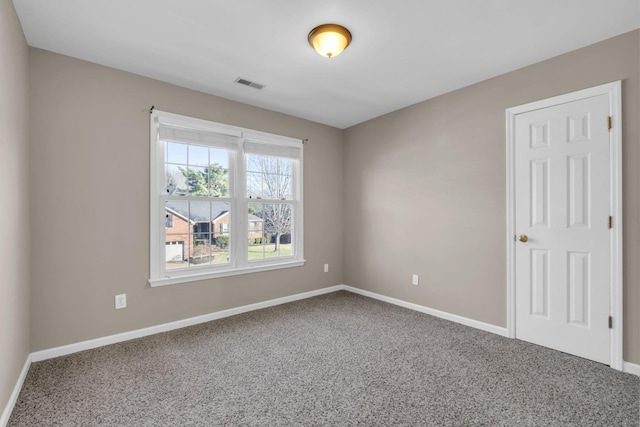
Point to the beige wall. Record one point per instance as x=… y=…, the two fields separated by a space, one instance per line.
x=90 y=153
x=424 y=192
x=14 y=226
x=425 y=188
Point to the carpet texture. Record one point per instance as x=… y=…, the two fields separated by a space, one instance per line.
x=337 y=359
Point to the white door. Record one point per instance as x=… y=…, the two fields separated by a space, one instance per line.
x=562 y=209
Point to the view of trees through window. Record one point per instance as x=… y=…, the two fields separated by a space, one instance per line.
x=225 y=200
x=269 y=181
x=198 y=221
x=193 y=176
x=192 y=170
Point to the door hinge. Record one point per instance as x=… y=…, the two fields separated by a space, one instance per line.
x=609 y=125
x=610 y=221
x=610 y=322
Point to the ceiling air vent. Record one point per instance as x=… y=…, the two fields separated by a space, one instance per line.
x=249 y=83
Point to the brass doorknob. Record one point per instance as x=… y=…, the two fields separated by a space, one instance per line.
x=523 y=238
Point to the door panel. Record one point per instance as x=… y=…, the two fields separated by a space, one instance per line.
x=579 y=288
x=540 y=193
x=562 y=203
x=539 y=283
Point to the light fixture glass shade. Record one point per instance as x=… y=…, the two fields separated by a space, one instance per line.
x=329 y=39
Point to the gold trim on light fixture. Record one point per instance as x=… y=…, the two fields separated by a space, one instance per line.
x=329 y=39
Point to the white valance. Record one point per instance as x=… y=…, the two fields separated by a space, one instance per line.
x=194 y=136
x=187 y=130
x=272 y=149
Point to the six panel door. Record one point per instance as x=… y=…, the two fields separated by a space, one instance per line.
x=562 y=207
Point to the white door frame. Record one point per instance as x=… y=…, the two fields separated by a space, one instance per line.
x=613 y=90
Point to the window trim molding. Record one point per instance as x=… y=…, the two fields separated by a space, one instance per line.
x=224 y=273
x=237 y=199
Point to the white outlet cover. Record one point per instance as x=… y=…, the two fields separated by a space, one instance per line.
x=415 y=280
x=326 y=268
x=121 y=301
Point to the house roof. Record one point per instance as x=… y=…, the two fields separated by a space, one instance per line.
x=199 y=212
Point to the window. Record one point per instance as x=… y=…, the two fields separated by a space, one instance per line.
x=224 y=200
x=224 y=228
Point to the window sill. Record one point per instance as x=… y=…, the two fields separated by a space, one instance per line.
x=163 y=281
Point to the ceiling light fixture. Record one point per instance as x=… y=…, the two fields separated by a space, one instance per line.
x=329 y=39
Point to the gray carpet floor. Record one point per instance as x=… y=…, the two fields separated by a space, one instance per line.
x=333 y=360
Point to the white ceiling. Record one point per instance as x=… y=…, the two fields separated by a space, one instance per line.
x=403 y=51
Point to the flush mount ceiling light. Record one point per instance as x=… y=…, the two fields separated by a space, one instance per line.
x=329 y=39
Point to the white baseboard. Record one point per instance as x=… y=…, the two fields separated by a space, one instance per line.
x=4 y=419
x=139 y=333
x=37 y=356
x=433 y=312
x=631 y=368
x=627 y=367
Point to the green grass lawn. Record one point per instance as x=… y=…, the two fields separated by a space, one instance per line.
x=267 y=251
x=255 y=252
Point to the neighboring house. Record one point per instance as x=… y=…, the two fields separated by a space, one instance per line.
x=193 y=226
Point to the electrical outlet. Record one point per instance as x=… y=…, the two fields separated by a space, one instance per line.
x=326 y=268
x=121 y=301
x=415 y=280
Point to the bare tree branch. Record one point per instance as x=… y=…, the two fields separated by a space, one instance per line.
x=270 y=178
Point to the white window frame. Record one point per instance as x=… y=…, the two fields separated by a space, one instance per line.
x=259 y=143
